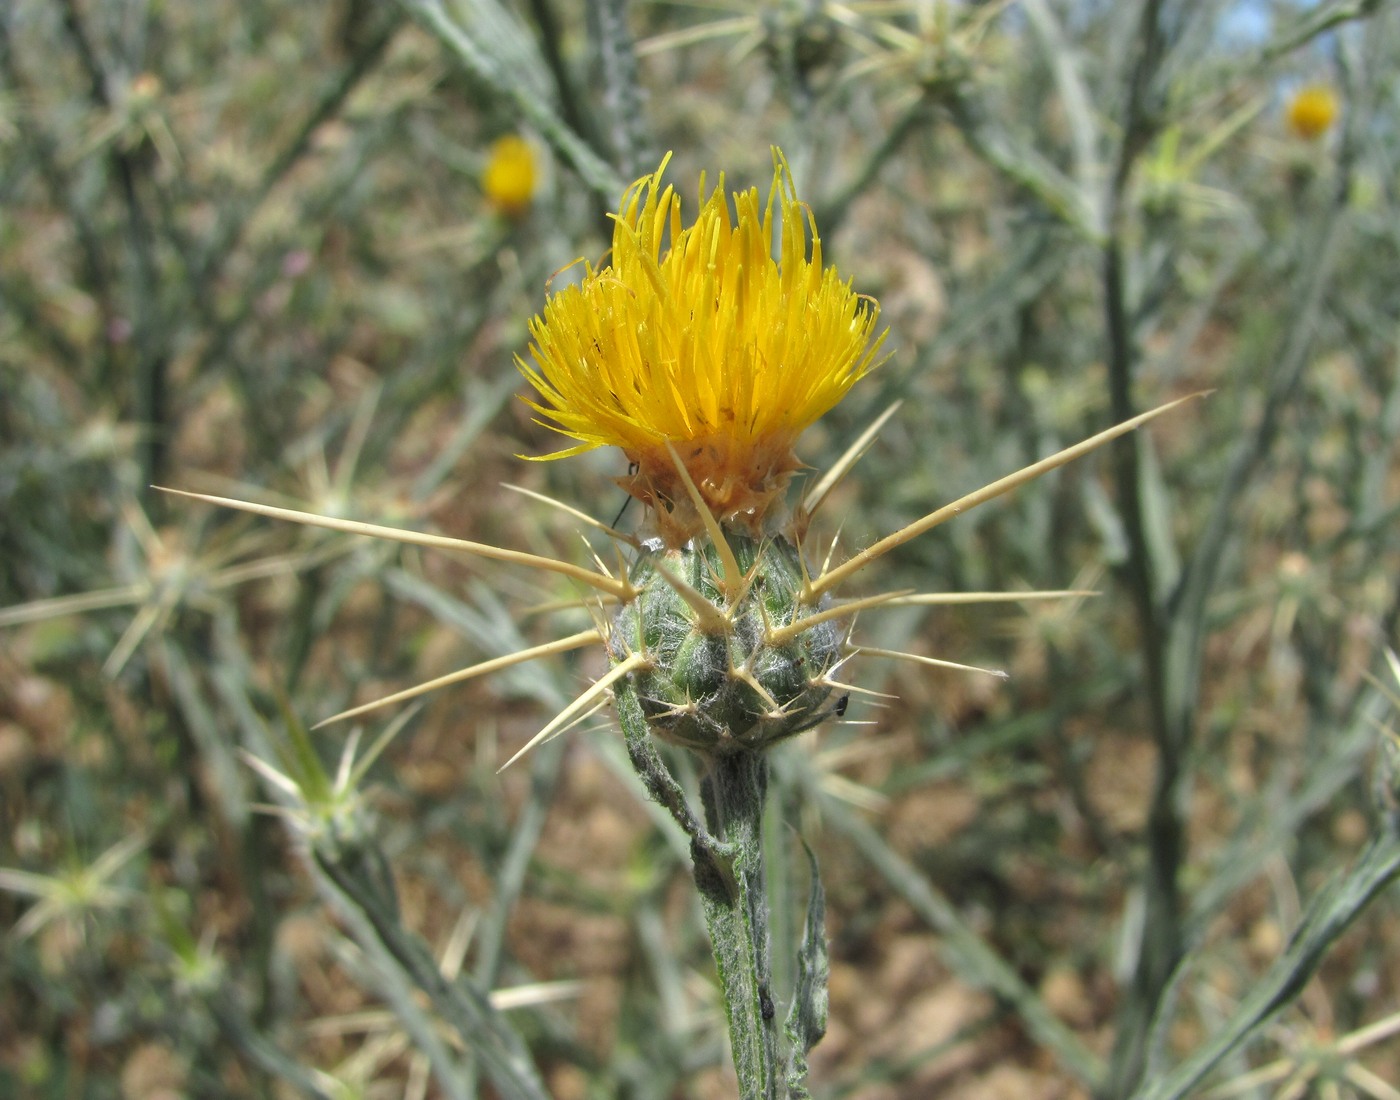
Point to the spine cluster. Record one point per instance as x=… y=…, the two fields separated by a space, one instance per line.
x=728 y=663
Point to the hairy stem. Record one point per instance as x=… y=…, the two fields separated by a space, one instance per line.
x=727 y=861
x=735 y=902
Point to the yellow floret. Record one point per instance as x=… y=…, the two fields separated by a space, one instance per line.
x=713 y=347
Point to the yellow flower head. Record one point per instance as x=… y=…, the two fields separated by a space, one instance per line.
x=1313 y=110
x=509 y=178
x=710 y=347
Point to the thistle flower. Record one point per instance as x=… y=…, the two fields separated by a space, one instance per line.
x=510 y=176
x=712 y=348
x=1312 y=111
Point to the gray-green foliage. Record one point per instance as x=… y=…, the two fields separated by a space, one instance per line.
x=244 y=242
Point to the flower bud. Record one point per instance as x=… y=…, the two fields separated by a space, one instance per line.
x=720 y=683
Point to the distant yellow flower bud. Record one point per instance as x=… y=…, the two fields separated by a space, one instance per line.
x=1312 y=111
x=510 y=176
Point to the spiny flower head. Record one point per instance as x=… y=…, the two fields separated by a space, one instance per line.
x=1313 y=110
x=695 y=345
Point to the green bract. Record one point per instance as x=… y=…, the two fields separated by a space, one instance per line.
x=718 y=684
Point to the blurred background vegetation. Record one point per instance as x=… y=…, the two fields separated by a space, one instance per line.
x=275 y=251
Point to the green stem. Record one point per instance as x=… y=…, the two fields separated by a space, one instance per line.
x=727 y=860
x=736 y=913
x=1330 y=914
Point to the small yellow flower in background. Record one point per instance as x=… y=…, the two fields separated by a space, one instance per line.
x=511 y=175
x=1312 y=111
x=711 y=348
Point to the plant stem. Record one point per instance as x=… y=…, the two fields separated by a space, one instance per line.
x=621 y=90
x=727 y=860
x=1170 y=716
x=1329 y=915
x=736 y=913
x=478 y=58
